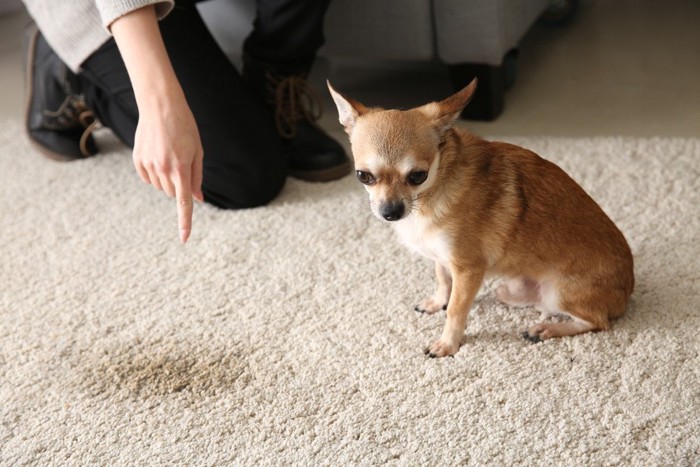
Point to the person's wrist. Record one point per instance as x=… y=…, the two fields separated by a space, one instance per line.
x=158 y=92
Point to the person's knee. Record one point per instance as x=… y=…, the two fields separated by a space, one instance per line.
x=243 y=190
x=245 y=164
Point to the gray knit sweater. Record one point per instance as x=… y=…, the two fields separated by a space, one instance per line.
x=77 y=28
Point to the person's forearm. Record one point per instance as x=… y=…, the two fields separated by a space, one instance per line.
x=167 y=148
x=142 y=49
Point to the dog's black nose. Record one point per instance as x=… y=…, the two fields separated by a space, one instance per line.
x=392 y=211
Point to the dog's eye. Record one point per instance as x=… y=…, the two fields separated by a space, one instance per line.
x=418 y=177
x=365 y=178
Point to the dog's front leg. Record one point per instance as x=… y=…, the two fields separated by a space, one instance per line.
x=441 y=296
x=465 y=285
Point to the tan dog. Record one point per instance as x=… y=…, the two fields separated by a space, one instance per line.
x=480 y=208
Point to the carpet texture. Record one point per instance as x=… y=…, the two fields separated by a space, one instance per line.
x=285 y=334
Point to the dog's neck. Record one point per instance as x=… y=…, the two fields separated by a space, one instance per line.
x=453 y=171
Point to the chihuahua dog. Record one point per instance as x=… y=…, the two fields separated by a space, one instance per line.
x=478 y=209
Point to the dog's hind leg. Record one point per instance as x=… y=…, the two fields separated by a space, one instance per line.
x=591 y=307
x=543 y=331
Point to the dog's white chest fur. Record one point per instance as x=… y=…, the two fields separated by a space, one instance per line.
x=419 y=234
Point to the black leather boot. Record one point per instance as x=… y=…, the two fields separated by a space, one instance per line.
x=313 y=155
x=58 y=121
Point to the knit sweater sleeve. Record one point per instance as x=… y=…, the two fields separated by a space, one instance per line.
x=111 y=10
x=75 y=29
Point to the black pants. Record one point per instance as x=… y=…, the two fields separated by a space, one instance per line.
x=244 y=164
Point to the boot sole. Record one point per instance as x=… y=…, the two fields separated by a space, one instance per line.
x=324 y=175
x=29 y=78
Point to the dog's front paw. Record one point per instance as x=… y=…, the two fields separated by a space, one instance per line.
x=430 y=306
x=440 y=348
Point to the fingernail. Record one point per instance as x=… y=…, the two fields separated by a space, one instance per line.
x=184 y=234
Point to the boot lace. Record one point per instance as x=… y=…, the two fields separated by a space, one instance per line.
x=294 y=101
x=71 y=114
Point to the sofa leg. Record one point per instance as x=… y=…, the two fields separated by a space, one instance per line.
x=487 y=103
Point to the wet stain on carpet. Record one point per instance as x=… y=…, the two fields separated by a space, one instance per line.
x=143 y=371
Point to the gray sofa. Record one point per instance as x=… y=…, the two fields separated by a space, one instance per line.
x=471 y=37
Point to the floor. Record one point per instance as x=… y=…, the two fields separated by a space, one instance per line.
x=627 y=68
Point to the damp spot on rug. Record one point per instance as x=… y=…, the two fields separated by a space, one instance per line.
x=158 y=370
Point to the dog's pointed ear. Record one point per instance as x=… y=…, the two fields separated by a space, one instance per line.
x=348 y=109
x=445 y=112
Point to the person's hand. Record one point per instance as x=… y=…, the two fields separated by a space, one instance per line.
x=167 y=148
x=168 y=153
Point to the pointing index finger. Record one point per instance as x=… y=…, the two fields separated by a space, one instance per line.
x=183 y=195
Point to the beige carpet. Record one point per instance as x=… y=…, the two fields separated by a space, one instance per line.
x=285 y=335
